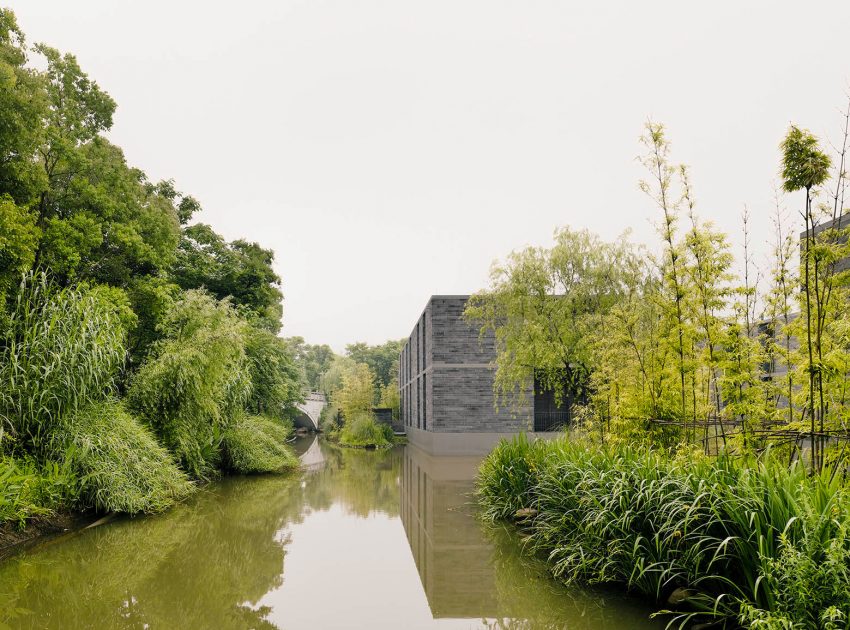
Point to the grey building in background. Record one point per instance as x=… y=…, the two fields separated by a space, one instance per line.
x=446 y=385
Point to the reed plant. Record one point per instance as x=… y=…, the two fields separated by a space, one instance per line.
x=256 y=444
x=508 y=477
x=62 y=349
x=719 y=540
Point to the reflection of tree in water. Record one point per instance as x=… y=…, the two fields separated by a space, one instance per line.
x=204 y=564
x=531 y=600
x=362 y=482
x=201 y=565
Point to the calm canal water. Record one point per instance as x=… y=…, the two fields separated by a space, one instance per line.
x=358 y=540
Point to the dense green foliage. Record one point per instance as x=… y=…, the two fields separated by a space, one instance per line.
x=382 y=359
x=239 y=270
x=352 y=395
x=677 y=348
x=361 y=430
x=254 y=444
x=130 y=339
x=194 y=380
x=120 y=465
x=29 y=489
x=313 y=361
x=718 y=538
x=354 y=384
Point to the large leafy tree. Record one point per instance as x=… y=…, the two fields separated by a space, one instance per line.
x=112 y=225
x=357 y=393
x=23 y=103
x=18 y=241
x=239 y=269
x=96 y=218
x=545 y=308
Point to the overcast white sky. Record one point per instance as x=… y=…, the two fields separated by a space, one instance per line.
x=390 y=150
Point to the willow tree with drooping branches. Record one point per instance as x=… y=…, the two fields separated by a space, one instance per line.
x=546 y=308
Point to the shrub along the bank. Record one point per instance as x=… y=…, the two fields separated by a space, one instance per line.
x=755 y=543
x=67 y=442
x=194 y=381
x=363 y=430
x=255 y=444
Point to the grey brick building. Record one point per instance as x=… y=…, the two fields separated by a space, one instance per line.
x=446 y=385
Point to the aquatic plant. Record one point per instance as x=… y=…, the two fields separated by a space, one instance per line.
x=508 y=476
x=255 y=444
x=718 y=539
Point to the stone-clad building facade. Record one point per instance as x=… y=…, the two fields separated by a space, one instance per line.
x=446 y=384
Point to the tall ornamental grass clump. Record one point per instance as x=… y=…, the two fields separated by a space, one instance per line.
x=120 y=465
x=363 y=430
x=722 y=540
x=194 y=381
x=62 y=349
x=254 y=444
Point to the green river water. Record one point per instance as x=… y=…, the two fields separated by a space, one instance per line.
x=359 y=539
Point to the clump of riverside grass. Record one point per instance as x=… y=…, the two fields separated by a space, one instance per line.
x=120 y=465
x=362 y=430
x=255 y=444
x=755 y=543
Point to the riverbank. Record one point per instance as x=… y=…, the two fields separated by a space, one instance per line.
x=114 y=474
x=13 y=539
x=32 y=529
x=753 y=543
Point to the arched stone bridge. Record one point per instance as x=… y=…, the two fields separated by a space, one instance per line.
x=309 y=410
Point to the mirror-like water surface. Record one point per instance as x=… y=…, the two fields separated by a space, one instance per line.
x=358 y=540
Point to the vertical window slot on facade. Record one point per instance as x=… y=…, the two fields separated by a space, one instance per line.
x=424 y=402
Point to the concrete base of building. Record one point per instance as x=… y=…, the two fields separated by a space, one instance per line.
x=463 y=444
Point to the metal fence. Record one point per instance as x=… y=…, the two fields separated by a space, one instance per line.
x=551 y=420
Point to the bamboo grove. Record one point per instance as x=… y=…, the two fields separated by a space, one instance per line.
x=692 y=344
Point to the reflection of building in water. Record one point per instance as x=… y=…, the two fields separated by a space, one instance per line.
x=451 y=553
